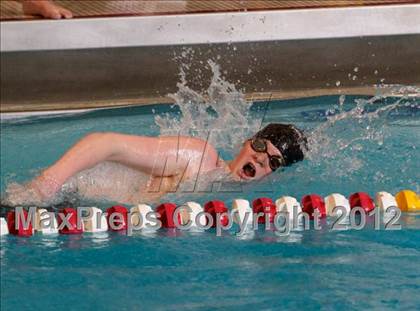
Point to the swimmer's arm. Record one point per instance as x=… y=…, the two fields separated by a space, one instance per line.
x=86 y=153
x=159 y=156
x=165 y=156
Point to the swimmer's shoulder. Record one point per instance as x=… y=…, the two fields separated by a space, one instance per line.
x=210 y=156
x=206 y=154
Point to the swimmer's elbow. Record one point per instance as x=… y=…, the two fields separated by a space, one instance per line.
x=101 y=137
x=102 y=142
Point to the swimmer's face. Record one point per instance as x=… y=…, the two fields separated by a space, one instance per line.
x=252 y=165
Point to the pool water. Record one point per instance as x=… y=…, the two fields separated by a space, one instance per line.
x=357 y=144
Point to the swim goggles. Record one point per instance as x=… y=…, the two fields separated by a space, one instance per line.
x=260 y=145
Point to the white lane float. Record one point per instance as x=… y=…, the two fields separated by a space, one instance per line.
x=242 y=212
x=384 y=200
x=139 y=217
x=190 y=214
x=387 y=204
x=336 y=204
x=45 y=222
x=96 y=221
x=3 y=227
x=289 y=205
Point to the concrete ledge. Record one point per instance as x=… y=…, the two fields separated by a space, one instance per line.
x=192 y=29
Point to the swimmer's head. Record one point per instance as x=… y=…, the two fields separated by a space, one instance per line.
x=274 y=146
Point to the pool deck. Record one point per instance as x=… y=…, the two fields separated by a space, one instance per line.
x=11 y=10
x=304 y=48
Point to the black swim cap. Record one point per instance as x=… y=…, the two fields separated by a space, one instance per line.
x=288 y=139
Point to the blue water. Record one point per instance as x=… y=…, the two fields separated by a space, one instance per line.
x=176 y=270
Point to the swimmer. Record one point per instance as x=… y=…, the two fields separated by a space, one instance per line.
x=169 y=160
x=45 y=8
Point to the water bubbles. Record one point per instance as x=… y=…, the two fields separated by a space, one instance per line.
x=357 y=147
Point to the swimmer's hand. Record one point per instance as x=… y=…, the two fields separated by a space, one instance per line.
x=21 y=195
x=45 y=8
x=39 y=192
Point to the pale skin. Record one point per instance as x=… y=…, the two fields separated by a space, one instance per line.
x=167 y=160
x=45 y=8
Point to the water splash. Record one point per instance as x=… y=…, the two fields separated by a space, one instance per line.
x=220 y=114
x=353 y=131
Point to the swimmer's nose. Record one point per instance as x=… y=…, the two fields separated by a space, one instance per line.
x=259 y=157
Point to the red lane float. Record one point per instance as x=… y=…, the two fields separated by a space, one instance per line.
x=116 y=217
x=19 y=230
x=312 y=202
x=363 y=200
x=265 y=206
x=166 y=215
x=72 y=220
x=217 y=207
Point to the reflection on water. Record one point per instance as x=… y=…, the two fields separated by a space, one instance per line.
x=293 y=237
x=100 y=239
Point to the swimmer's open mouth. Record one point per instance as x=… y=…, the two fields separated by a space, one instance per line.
x=249 y=170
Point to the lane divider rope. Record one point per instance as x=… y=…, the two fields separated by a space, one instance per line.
x=194 y=215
